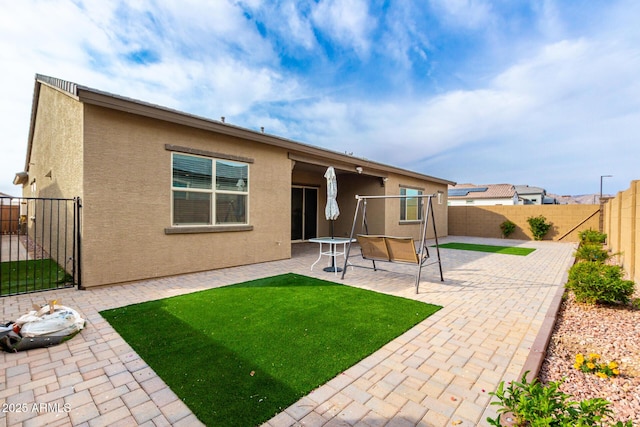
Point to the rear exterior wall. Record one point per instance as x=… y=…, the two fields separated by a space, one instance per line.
x=127 y=201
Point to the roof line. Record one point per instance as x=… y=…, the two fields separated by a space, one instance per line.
x=116 y=102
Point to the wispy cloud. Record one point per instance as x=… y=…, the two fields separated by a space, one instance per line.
x=471 y=14
x=346 y=23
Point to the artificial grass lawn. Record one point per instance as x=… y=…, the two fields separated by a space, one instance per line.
x=239 y=354
x=31 y=275
x=508 y=250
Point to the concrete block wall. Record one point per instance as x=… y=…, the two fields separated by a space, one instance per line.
x=484 y=221
x=622 y=226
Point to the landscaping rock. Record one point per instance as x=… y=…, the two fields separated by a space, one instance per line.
x=613 y=333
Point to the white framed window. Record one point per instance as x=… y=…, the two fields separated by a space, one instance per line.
x=208 y=191
x=410 y=206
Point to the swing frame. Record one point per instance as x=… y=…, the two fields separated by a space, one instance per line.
x=394 y=249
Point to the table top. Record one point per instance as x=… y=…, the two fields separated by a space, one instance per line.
x=331 y=240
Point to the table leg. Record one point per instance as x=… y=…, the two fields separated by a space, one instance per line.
x=319 y=256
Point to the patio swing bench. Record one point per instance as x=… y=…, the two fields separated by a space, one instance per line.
x=390 y=248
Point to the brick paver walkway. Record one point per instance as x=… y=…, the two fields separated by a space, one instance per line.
x=438 y=373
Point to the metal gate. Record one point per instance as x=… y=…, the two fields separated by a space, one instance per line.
x=40 y=247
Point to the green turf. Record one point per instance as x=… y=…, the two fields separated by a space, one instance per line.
x=508 y=250
x=239 y=354
x=31 y=275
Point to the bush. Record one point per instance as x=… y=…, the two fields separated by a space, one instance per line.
x=596 y=283
x=507 y=228
x=538 y=226
x=591 y=252
x=533 y=404
x=592 y=236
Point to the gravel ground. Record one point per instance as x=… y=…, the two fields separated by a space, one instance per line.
x=611 y=332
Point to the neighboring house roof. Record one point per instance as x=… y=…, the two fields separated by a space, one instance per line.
x=524 y=190
x=489 y=191
x=297 y=151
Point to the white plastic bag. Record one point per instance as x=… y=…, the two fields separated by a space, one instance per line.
x=61 y=321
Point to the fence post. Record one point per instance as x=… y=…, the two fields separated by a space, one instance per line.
x=78 y=239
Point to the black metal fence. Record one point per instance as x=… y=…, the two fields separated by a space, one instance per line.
x=40 y=244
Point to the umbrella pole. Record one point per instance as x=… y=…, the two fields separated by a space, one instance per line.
x=333 y=268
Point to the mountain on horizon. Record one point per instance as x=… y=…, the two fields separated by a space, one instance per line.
x=580 y=199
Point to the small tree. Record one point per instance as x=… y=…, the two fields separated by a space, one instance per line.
x=538 y=226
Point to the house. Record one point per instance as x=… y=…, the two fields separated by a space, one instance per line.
x=164 y=192
x=482 y=195
x=530 y=195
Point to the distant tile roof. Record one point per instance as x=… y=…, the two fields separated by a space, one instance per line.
x=490 y=191
x=526 y=189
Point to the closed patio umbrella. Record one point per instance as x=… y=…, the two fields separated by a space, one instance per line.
x=331 y=210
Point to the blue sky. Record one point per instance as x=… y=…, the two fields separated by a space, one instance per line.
x=545 y=93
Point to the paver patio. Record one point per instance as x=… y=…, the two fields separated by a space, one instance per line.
x=439 y=373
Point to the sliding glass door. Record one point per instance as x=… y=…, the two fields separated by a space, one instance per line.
x=304 y=213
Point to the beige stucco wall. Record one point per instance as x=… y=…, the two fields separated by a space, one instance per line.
x=56 y=147
x=127 y=201
x=363 y=185
x=393 y=225
x=56 y=152
x=484 y=221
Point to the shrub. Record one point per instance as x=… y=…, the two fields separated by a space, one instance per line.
x=592 y=236
x=538 y=226
x=507 y=228
x=533 y=404
x=596 y=283
x=593 y=252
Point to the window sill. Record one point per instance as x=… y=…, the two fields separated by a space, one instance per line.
x=411 y=222
x=207 y=229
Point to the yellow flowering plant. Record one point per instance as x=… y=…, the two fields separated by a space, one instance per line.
x=592 y=365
